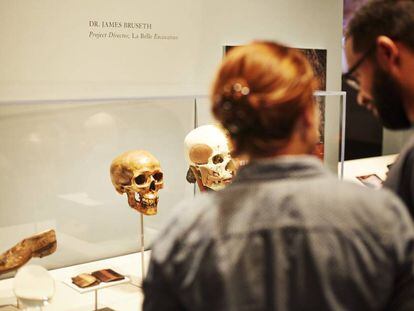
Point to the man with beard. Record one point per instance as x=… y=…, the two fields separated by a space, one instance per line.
x=379 y=49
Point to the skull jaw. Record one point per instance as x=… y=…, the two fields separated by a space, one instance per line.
x=213 y=180
x=217 y=186
x=146 y=205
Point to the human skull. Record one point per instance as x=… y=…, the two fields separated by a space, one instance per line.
x=138 y=174
x=208 y=154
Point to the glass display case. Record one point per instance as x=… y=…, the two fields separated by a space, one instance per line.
x=332 y=108
x=55 y=160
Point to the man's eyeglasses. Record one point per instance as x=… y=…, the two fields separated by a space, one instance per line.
x=348 y=76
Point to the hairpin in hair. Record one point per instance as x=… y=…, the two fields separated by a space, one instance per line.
x=239 y=88
x=236 y=109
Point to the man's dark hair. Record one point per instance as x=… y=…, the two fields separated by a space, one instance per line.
x=391 y=18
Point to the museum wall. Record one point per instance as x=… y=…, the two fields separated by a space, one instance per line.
x=48 y=51
x=394 y=141
x=73 y=96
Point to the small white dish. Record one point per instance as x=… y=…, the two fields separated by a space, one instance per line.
x=33 y=286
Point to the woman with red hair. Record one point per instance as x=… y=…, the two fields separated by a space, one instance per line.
x=286 y=234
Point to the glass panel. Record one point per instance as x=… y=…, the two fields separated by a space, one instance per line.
x=55 y=160
x=333 y=108
x=332 y=114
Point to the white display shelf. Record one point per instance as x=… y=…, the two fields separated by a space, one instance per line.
x=125 y=297
x=367 y=166
x=100 y=286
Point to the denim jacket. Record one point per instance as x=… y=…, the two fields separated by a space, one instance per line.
x=286 y=235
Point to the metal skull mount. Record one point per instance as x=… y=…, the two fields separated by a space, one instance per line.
x=138 y=174
x=208 y=154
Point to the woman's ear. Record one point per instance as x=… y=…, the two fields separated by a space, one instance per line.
x=310 y=117
x=310 y=121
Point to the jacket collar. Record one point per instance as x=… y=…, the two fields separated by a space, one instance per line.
x=282 y=167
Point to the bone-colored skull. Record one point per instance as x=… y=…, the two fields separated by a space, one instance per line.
x=208 y=154
x=138 y=174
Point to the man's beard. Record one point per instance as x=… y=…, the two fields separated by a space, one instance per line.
x=388 y=101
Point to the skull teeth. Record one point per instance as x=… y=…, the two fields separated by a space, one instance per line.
x=146 y=202
x=149 y=202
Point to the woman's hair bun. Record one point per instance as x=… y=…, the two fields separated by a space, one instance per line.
x=259 y=94
x=234 y=107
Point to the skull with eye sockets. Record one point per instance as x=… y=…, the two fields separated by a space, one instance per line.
x=138 y=174
x=208 y=154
